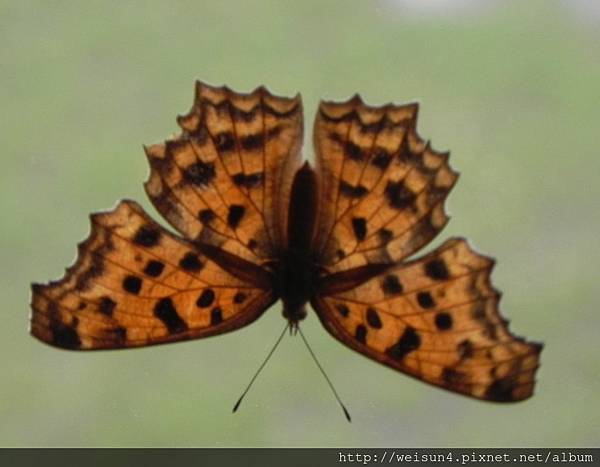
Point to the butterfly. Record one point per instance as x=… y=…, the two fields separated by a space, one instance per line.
x=256 y=225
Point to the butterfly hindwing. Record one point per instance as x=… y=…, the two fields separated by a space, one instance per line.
x=382 y=188
x=225 y=180
x=436 y=318
x=135 y=284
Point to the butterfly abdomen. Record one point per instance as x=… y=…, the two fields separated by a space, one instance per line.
x=295 y=281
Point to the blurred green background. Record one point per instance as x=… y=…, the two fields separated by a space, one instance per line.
x=511 y=88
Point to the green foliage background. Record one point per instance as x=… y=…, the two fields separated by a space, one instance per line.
x=512 y=88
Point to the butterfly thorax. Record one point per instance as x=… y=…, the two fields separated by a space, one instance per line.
x=294 y=282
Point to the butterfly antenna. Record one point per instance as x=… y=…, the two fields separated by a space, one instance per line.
x=346 y=413
x=237 y=404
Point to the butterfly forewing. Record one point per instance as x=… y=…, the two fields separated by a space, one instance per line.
x=224 y=179
x=382 y=188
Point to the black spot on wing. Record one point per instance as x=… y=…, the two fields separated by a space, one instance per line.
x=359 y=226
x=236 y=212
x=252 y=142
x=398 y=195
x=381 y=159
x=342 y=309
x=501 y=390
x=224 y=142
x=107 y=306
x=216 y=316
x=436 y=269
x=206 y=216
x=443 y=321
x=165 y=311
x=64 y=336
x=147 y=236
x=154 y=268
x=373 y=318
x=206 y=298
x=239 y=297
x=132 y=284
x=425 y=300
x=408 y=342
x=190 y=262
x=199 y=173
x=391 y=285
x=361 y=334
x=248 y=180
x=353 y=151
x=358 y=191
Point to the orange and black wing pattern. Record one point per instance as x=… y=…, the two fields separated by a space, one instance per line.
x=225 y=184
x=225 y=180
x=135 y=284
x=222 y=184
x=382 y=189
x=435 y=318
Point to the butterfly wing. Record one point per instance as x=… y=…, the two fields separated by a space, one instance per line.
x=225 y=180
x=435 y=318
x=382 y=192
x=382 y=189
x=224 y=184
x=135 y=284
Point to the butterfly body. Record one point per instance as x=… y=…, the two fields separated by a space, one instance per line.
x=294 y=282
x=254 y=226
x=296 y=273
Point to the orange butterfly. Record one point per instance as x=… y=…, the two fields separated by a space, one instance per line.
x=257 y=225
